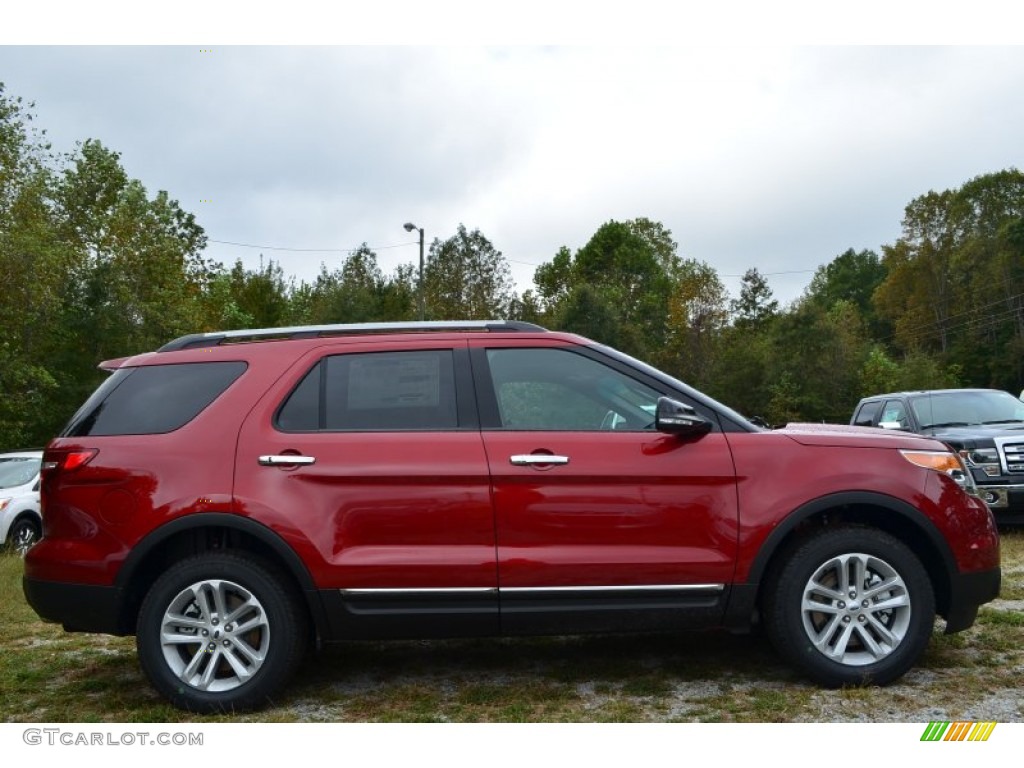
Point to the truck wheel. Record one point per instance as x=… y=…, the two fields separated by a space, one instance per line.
x=851 y=606
x=220 y=632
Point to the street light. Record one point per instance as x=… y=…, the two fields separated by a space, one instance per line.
x=409 y=227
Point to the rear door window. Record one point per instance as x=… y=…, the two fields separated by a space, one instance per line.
x=395 y=391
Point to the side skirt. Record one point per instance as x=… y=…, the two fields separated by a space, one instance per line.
x=379 y=614
x=393 y=614
x=571 y=610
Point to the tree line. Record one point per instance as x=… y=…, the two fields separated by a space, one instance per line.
x=95 y=267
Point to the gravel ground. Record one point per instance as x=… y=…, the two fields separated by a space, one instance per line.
x=976 y=675
x=690 y=679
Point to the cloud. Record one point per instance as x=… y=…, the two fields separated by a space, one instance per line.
x=779 y=158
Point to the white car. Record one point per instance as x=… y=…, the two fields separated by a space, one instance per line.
x=21 y=525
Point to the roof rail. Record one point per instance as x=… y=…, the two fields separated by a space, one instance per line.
x=199 y=340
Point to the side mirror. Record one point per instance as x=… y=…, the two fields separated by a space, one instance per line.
x=675 y=418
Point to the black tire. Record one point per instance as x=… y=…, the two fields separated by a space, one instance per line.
x=871 y=638
x=254 y=625
x=23 y=533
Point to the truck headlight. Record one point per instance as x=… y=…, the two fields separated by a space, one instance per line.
x=985 y=459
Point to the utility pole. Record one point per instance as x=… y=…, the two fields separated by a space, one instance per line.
x=409 y=227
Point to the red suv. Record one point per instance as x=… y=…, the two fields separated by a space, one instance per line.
x=234 y=497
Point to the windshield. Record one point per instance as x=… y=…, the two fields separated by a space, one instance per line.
x=947 y=409
x=15 y=471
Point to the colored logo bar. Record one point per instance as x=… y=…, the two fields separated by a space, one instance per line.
x=958 y=731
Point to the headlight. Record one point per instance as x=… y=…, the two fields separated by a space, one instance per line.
x=948 y=463
x=985 y=459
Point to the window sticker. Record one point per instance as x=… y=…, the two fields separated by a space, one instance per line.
x=399 y=381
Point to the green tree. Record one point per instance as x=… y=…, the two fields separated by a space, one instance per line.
x=398 y=296
x=917 y=370
x=466 y=277
x=29 y=394
x=136 y=274
x=358 y=292
x=626 y=269
x=954 y=276
x=820 y=355
x=658 y=240
x=740 y=371
x=626 y=266
x=697 y=315
x=526 y=308
x=785 y=404
x=852 y=276
x=755 y=306
x=362 y=285
x=879 y=373
x=33 y=271
x=138 y=261
x=590 y=313
x=554 y=280
x=222 y=310
x=245 y=298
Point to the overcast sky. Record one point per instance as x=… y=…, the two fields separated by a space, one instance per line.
x=779 y=158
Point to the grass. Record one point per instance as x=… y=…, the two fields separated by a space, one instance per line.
x=47 y=675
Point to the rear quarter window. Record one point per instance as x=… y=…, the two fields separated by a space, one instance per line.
x=152 y=399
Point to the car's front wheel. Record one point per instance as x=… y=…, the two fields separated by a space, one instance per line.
x=24 y=532
x=851 y=606
x=220 y=632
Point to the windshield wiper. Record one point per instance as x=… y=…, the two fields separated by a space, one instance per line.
x=946 y=424
x=1004 y=421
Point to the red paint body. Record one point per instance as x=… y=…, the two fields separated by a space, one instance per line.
x=447 y=510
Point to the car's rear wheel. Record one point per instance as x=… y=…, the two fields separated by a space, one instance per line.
x=220 y=632
x=24 y=532
x=851 y=606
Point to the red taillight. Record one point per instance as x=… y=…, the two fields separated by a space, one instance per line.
x=75 y=459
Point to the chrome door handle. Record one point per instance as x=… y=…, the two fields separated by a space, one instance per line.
x=284 y=460
x=530 y=459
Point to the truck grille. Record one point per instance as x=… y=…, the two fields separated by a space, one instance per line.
x=1012 y=456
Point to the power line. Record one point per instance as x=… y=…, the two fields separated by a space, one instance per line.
x=404 y=245
x=343 y=250
x=312 y=250
x=787 y=272
x=974 y=323
x=918 y=332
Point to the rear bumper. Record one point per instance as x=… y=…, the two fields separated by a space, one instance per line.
x=969 y=591
x=78 y=607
